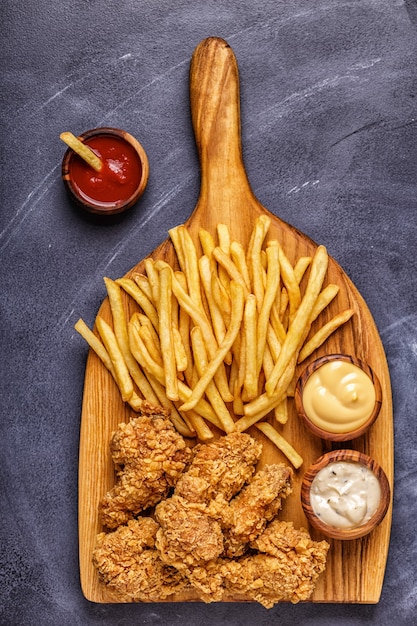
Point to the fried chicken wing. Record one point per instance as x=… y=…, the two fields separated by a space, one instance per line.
x=191 y=535
x=256 y=505
x=220 y=468
x=217 y=534
x=131 y=568
x=188 y=535
x=150 y=456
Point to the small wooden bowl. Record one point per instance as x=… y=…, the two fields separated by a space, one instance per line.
x=325 y=434
x=104 y=207
x=352 y=456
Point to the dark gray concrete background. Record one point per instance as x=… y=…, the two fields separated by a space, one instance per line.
x=329 y=130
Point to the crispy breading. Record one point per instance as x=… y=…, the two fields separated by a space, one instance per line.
x=255 y=506
x=211 y=536
x=149 y=456
x=188 y=535
x=220 y=468
x=131 y=568
x=191 y=531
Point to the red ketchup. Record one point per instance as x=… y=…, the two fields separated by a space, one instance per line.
x=119 y=177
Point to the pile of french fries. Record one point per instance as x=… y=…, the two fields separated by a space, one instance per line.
x=217 y=342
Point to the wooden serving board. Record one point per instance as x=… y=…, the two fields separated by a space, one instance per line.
x=355 y=569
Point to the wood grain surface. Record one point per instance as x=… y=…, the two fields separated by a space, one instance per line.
x=355 y=569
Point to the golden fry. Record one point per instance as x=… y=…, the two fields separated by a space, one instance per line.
x=271 y=289
x=212 y=393
x=290 y=281
x=250 y=319
x=239 y=258
x=301 y=319
x=143 y=283
x=179 y=350
x=94 y=343
x=142 y=356
x=121 y=334
x=325 y=331
x=231 y=269
x=254 y=260
x=165 y=333
x=217 y=359
x=176 y=238
x=84 y=151
x=121 y=373
x=281 y=443
x=141 y=298
x=324 y=298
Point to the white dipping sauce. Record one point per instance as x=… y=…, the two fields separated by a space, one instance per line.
x=345 y=494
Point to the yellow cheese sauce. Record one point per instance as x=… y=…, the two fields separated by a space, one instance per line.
x=339 y=397
x=345 y=494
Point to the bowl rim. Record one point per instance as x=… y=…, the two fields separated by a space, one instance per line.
x=349 y=456
x=315 y=365
x=110 y=208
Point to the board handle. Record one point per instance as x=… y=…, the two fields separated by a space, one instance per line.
x=215 y=114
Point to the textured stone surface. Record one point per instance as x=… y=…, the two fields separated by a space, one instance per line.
x=329 y=134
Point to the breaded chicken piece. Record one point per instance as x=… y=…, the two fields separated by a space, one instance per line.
x=191 y=521
x=255 y=506
x=188 y=535
x=287 y=572
x=150 y=456
x=220 y=468
x=131 y=568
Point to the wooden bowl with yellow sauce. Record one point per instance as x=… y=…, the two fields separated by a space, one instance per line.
x=338 y=397
x=345 y=494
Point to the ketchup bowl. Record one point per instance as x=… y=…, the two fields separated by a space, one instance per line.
x=338 y=397
x=120 y=182
x=345 y=494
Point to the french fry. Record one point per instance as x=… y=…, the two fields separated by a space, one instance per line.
x=191 y=267
x=254 y=259
x=203 y=430
x=223 y=237
x=200 y=319
x=281 y=411
x=291 y=283
x=239 y=258
x=325 y=331
x=142 y=356
x=217 y=320
x=263 y=404
x=176 y=238
x=94 y=343
x=121 y=372
x=121 y=334
x=217 y=359
x=207 y=242
x=184 y=330
x=143 y=283
x=153 y=277
x=231 y=269
x=324 y=298
x=300 y=267
x=212 y=392
x=179 y=350
x=141 y=298
x=281 y=443
x=165 y=333
x=84 y=151
x=153 y=347
x=250 y=319
x=271 y=289
x=301 y=318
